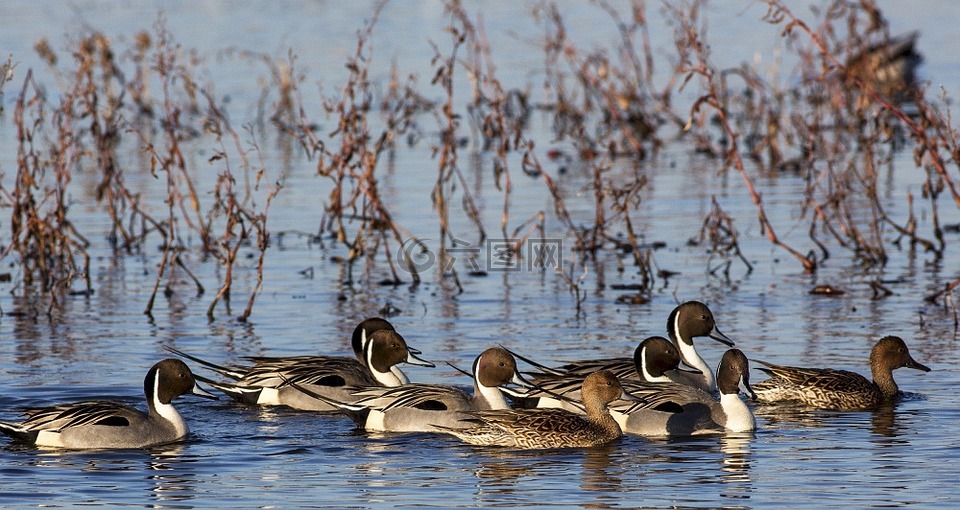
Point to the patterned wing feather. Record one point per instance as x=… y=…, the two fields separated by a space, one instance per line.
x=428 y=397
x=322 y=371
x=78 y=415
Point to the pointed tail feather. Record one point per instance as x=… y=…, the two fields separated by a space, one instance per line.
x=357 y=413
x=245 y=394
x=543 y=368
x=17 y=432
x=220 y=369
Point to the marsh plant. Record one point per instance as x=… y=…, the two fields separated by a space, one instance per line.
x=609 y=110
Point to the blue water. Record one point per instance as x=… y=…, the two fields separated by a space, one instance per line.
x=101 y=345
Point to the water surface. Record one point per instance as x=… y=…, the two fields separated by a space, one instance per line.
x=101 y=345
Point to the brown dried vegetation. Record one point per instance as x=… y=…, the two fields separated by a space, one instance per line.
x=838 y=128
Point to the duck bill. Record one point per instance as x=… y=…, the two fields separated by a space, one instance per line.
x=914 y=364
x=200 y=392
x=720 y=337
x=414 y=360
x=683 y=367
x=746 y=389
x=630 y=397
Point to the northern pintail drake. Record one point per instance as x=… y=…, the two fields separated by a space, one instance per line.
x=686 y=322
x=266 y=381
x=827 y=388
x=432 y=407
x=105 y=424
x=363 y=331
x=549 y=428
x=701 y=413
x=655 y=360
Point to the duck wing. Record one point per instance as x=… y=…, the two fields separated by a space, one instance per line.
x=317 y=370
x=80 y=414
x=426 y=397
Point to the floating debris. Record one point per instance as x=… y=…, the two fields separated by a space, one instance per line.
x=628 y=286
x=633 y=299
x=827 y=290
x=390 y=311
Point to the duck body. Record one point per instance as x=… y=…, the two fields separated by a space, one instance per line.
x=105 y=424
x=549 y=428
x=687 y=321
x=701 y=412
x=432 y=407
x=265 y=381
x=826 y=388
x=655 y=360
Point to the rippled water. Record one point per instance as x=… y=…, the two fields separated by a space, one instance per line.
x=101 y=346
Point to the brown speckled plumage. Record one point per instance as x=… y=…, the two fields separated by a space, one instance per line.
x=550 y=428
x=840 y=389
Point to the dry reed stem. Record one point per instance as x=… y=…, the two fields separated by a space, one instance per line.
x=690 y=45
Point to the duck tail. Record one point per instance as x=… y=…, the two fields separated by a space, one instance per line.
x=220 y=369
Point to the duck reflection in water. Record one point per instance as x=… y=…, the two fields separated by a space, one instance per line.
x=884 y=425
x=171 y=474
x=735 y=447
x=602 y=470
x=500 y=471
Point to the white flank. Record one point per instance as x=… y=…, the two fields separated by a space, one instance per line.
x=269 y=396
x=375 y=421
x=49 y=438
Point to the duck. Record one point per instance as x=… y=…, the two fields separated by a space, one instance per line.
x=687 y=321
x=266 y=381
x=358 y=342
x=549 y=428
x=888 y=66
x=655 y=360
x=429 y=407
x=361 y=336
x=113 y=425
x=701 y=412
x=826 y=388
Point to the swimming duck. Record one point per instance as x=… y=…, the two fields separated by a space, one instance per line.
x=265 y=382
x=105 y=424
x=686 y=321
x=425 y=407
x=655 y=360
x=888 y=66
x=827 y=388
x=549 y=428
x=701 y=413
